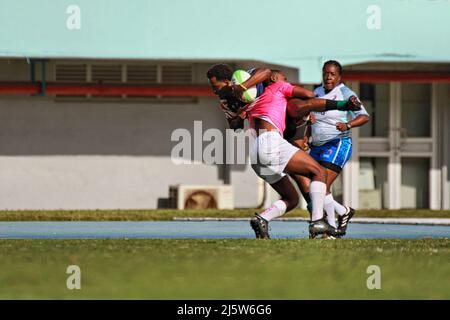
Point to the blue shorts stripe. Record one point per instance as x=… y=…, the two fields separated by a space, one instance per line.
x=343 y=153
x=349 y=152
x=337 y=151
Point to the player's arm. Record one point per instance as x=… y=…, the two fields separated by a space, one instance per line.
x=235 y=119
x=358 y=118
x=297 y=108
x=303 y=143
x=236 y=123
x=306 y=137
x=356 y=122
x=300 y=108
x=302 y=93
x=258 y=75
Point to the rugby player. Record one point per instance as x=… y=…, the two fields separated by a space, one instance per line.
x=331 y=142
x=272 y=155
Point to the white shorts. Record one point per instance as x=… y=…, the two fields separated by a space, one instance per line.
x=270 y=154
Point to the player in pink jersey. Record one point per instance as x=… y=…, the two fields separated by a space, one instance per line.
x=272 y=156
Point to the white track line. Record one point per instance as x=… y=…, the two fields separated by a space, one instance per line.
x=405 y=221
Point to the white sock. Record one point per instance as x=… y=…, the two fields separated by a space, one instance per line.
x=277 y=209
x=328 y=204
x=340 y=209
x=317 y=191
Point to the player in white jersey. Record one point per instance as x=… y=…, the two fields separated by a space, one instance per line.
x=331 y=142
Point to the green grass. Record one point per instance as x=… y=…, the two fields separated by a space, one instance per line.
x=225 y=269
x=149 y=215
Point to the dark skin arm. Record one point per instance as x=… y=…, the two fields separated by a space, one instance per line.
x=302 y=93
x=299 y=108
x=303 y=143
x=259 y=75
x=236 y=123
x=357 y=122
x=264 y=75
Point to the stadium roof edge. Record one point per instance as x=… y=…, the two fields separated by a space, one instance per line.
x=356 y=31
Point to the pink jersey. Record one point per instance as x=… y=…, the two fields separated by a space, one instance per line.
x=271 y=105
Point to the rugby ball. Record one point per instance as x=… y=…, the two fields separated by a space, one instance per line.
x=240 y=76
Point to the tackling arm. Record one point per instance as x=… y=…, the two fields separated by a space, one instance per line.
x=259 y=75
x=302 y=93
x=300 y=108
x=236 y=123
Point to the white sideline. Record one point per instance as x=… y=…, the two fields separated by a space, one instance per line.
x=406 y=221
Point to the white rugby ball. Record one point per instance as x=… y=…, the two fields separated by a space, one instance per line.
x=240 y=76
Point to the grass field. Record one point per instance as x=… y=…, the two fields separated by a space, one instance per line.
x=149 y=215
x=225 y=269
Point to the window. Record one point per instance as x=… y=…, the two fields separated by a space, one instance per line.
x=117 y=73
x=415 y=183
x=373 y=183
x=416 y=109
x=375 y=98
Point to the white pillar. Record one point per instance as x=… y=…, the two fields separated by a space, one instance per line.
x=350 y=173
x=444 y=115
x=394 y=166
x=435 y=171
x=394 y=182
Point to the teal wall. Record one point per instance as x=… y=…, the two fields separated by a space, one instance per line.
x=289 y=32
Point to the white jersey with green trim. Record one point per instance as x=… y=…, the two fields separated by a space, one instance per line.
x=324 y=129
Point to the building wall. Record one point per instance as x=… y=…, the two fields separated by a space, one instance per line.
x=88 y=156
x=80 y=154
x=69 y=154
x=406 y=163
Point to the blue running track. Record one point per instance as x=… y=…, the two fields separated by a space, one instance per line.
x=200 y=230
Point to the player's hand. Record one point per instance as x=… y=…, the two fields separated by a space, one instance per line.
x=301 y=143
x=342 y=127
x=242 y=114
x=305 y=144
x=224 y=106
x=312 y=119
x=353 y=104
x=307 y=120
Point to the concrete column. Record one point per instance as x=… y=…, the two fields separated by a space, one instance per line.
x=394 y=166
x=435 y=164
x=444 y=115
x=350 y=173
